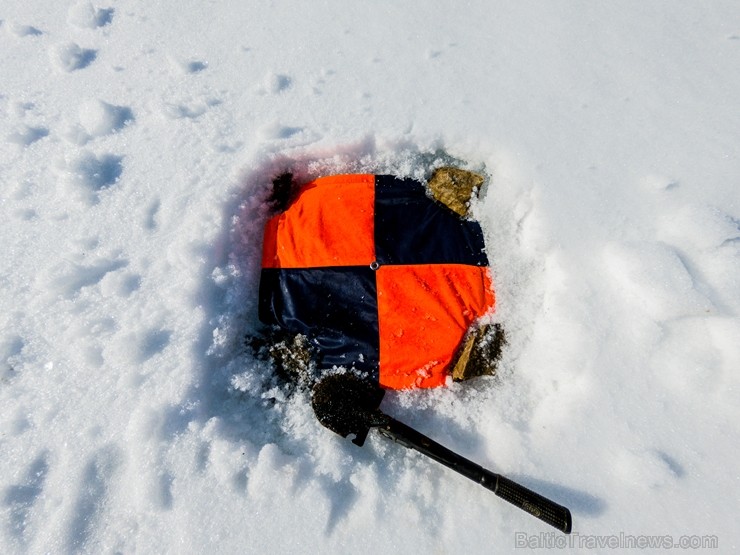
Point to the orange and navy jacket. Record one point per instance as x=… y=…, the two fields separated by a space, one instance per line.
x=378 y=275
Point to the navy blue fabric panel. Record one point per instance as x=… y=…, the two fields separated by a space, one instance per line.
x=335 y=307
x=411 y=228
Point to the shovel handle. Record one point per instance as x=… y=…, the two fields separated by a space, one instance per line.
x=535 y=504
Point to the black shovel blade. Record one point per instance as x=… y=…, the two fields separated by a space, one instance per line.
x=347 y=404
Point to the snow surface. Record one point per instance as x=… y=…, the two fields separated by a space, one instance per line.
x=137 y=140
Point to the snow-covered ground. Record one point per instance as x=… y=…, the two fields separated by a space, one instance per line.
x=137 y=140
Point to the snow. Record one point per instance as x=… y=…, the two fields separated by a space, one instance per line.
x=137 y=141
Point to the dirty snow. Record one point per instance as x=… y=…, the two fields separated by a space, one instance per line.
x=137 y=140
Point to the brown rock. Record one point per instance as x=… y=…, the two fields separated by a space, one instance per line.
x=454 y=188
x=480 y=353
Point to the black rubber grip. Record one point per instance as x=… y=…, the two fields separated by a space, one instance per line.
x=527 y=500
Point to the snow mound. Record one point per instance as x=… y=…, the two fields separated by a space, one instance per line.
x=99 y=118
x=85 y=16
x=86 y=175
x=71 y=56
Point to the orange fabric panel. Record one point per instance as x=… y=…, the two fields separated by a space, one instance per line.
x=424 y=312
x=330 y=223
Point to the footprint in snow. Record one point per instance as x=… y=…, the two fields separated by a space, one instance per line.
x=163 y=493
x=274 y=83
x=69 y=57
x=92 y=493
x=687 y=223
x=648 y=467
x=26 y=135
x=85 y=16
x=151 y=217
x=20 y=30
x=137 y=347
x=23 y=134
x=19 y=109
x=320 y=82
x=10 y=347
x=120 y=284
x=657 y=182
x=100 y=118
x=26 y=214
x=706 y=239
x=21 y=423
x=654 y=278
x=68 y=278
x=149 y=343
x=188 y=66
x=21 y=498
x=276 y=131
x=704 y=228
x=88 y=174
x=189 y=110
x=202 y=456
x=97 y=119
x=693 y=358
